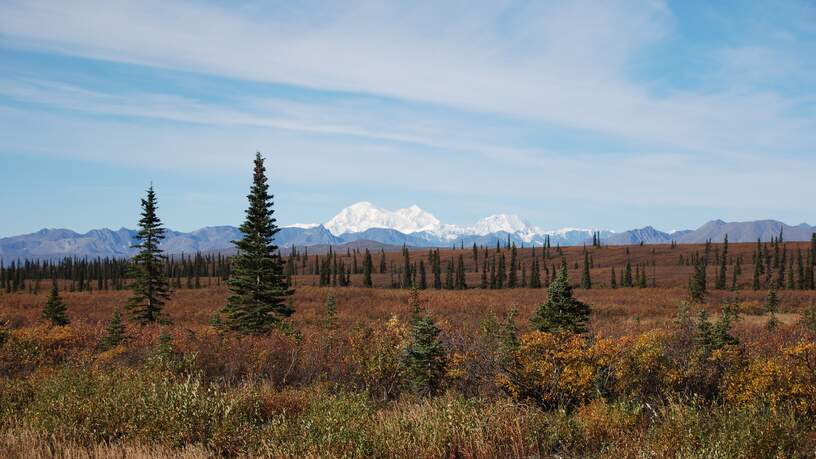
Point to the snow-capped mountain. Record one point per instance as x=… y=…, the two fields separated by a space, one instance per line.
x=364 y=224
x=503 y=222
x=364 y=215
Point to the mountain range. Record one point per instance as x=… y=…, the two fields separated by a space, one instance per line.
x=365 y=225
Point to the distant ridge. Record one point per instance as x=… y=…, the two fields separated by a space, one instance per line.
x=418 y=229
x=715 y=231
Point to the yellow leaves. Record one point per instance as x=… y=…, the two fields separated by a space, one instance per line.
x=786 y=379
x=110 y=355
x=556 y=370
x=456 y=363
x=48 y=336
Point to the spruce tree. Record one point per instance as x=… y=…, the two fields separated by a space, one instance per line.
x=800 y=271
x=423 y=279
x=368 y=266
x=535 y=274
x=613 y=283
x=437 y=271
x=512 y=281
x=697 y=283
x=586 y=280
x=449 y=280
x=627 y=279
x=151 y=288
x=55 y=308
x=561 y=312
x=114 y=332
x=258 y=287
x=771 y=307
x=425 y=358
x=461 y=283
x=500 y=273
x=757 y=272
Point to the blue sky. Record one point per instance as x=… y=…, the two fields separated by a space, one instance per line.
x=613 y=114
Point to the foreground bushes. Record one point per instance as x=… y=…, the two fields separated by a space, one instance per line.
x=88 y=407
x=325 y=392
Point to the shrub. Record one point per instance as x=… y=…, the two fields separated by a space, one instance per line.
x=93 y=406
x=555 y=371
x=375 y=355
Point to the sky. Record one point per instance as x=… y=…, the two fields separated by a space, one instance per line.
x=614 y=114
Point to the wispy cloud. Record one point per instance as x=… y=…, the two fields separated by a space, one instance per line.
x=476 y=101
x=563 y=63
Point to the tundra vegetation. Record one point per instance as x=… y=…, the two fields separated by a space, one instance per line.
x=596 y=351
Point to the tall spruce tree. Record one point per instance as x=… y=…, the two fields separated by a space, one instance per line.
x=561 y=312
x=535 y=274
x=257 y=282
x=586 y=280
x=512 y=281
x=697 y=282
x=368 y=266
x=55 y=308
x=423 y=279
x=151 y=288
x=771 y=307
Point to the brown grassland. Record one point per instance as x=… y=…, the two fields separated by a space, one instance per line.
x=639 y=384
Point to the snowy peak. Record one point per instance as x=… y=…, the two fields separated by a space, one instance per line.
x=364 y=215
x=503 y=222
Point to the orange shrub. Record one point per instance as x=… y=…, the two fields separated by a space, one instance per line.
x=553 y=370
x=788 y=380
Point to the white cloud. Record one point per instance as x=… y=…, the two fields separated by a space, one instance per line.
x=560 y=63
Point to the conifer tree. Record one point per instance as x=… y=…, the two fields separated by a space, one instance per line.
x=771 y=307
x=425 y=358
x=461 y=284
x=259 y=291
x=114 y=332
x=368 y=266
x=722 y=274
x=535 y=274
x=586 y=280
x=800 y=270
x=407 y=279
x=613 y=283
x=512 y=280
x=561 y=313
x=721 y=336
x=449 y=280
x=484 y=283
x=493 y=280
x=500 y=273
x=423 y=280
x=437 y=271
x=150 y=286
x=757 y=272
x=697 y=283
x=55 y=308
x=642 y=278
